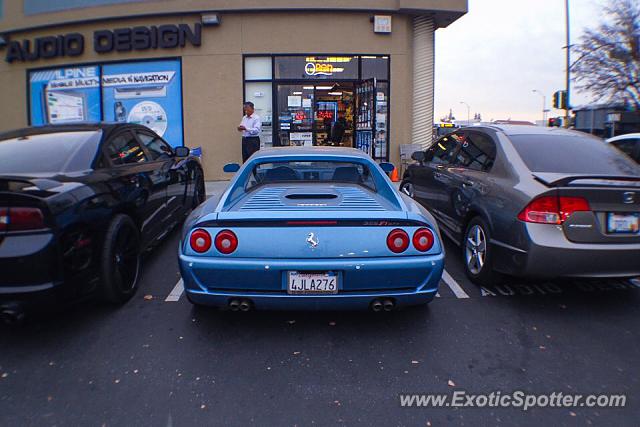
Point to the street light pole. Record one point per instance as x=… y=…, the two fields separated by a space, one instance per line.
x=468 y=112
x=544 y=105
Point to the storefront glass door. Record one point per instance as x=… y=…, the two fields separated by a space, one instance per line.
x=316 y=115
x=295 y=114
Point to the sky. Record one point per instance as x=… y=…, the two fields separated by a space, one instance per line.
x=494 y=56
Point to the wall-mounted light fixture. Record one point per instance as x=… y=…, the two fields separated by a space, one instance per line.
x=210 y=19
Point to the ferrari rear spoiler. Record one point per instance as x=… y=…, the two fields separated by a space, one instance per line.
x=562 y=179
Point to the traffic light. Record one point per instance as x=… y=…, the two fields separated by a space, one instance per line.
x=560 y=99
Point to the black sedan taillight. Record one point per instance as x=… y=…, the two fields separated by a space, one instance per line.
x=21 y=219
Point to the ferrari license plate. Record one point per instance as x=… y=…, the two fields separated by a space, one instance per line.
x=623 y=223
x=312 y=283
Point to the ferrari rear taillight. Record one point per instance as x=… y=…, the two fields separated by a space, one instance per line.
x=423 y=239
x=21 y=219
x=200 y=241
x=226 y=241
x=552 y=209
x=398 y=241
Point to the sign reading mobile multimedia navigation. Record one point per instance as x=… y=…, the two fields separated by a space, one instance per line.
x=105 y=41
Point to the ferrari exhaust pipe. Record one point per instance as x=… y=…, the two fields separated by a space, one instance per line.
x=245 y=305
x=388 y=304
x=234 y=304
x=376 y=305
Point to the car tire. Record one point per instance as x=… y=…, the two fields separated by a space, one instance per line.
x=120 y=260
x=199 y=190
x=477 y=253
x=406 y=187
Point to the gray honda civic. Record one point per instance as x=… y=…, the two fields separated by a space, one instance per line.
x=532 y=202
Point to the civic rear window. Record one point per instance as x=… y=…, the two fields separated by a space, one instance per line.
x=310 y=172
x=572 y=155
x=49 y=152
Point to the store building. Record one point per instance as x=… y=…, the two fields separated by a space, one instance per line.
x=332 y=72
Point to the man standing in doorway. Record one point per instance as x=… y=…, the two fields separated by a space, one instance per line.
x=251 y=127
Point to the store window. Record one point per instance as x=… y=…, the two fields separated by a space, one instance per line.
x=320 y=100
x=257 y=68
x=258 y=89
x=316 y=67
x=147 y=93
x=375 y=67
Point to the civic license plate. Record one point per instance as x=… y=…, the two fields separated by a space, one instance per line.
x=623 y=223
x=312 y=283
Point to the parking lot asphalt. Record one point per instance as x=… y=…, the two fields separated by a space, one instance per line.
x=158 y=361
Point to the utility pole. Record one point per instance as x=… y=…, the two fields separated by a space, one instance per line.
x=568 y=72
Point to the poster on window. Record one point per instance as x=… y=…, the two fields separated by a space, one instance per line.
x=147 y=93
x=64 y=95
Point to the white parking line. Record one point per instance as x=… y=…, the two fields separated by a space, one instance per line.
x=457 y=290
x=176 y=293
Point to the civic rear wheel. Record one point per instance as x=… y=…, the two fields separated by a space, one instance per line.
x=476 y=252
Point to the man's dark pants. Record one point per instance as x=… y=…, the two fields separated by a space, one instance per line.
x=250 y=144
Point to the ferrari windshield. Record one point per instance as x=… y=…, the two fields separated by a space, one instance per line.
x=311 y=172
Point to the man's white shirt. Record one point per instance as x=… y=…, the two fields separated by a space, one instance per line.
x=252 y=124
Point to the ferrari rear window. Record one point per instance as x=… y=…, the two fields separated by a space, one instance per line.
x=310 y=172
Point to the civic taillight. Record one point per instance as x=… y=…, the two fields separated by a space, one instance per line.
x=423 y=239
x=398 y=241
x=552 y=209
x=226 y=241
x=200 y=240
x=21 y=219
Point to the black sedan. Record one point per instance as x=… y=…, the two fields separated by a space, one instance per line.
x=532 y=202
x=80 y=204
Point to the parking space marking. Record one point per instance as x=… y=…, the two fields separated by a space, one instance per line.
x=453 y=285
x=176 y=293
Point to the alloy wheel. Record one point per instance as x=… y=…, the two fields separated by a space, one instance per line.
x=126 y=260
x=475 y=249
x=407 y=189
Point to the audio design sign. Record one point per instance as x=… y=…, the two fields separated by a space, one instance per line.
x=105 y=41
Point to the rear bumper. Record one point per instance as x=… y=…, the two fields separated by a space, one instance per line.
x=407 y=280
x=549 y=254
x=29 y=269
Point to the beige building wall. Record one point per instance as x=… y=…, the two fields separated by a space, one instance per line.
x=212 y=73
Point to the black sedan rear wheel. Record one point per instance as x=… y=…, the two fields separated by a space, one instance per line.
x=199 y=190
x=476 y=253
x=120 y=263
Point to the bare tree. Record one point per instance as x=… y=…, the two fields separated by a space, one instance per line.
x=608 y=57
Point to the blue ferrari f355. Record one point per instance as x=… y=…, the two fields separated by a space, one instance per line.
x=310 y=228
